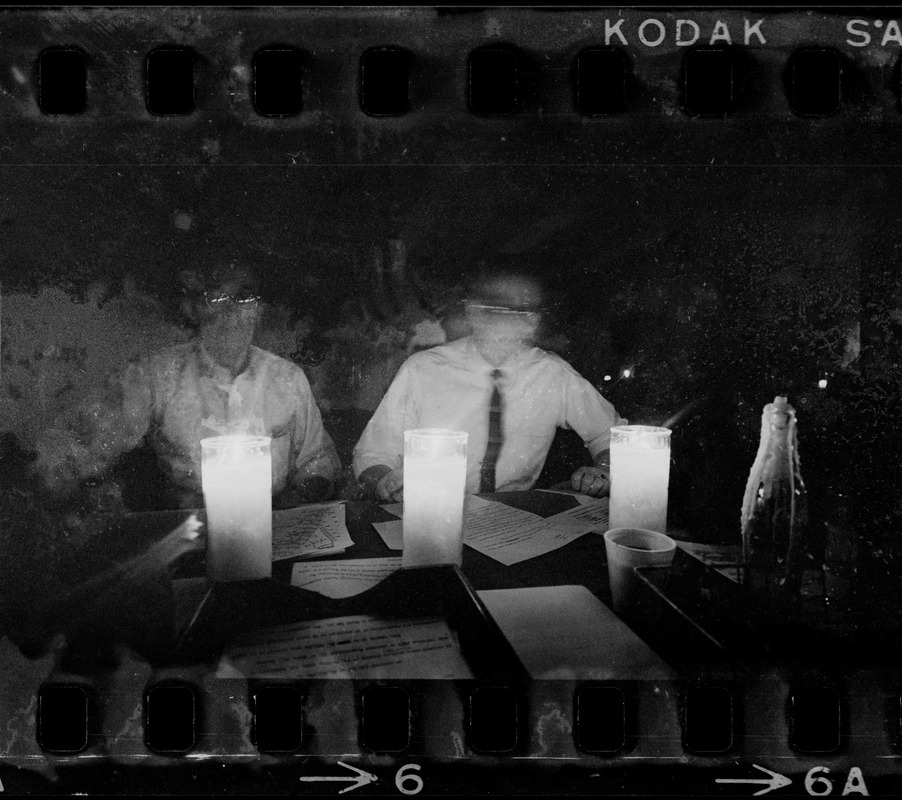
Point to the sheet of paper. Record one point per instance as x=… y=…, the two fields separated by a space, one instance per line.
x=310 y=531
x=471 y=501
x=510 y=535
x=566 y=633
x=716 y=556
x=594 y=515
x=338 y=579
x=582 y=499
x=349 y=647
x=392 y=533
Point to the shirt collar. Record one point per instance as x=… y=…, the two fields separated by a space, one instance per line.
x=521 y=356
x=209 y=368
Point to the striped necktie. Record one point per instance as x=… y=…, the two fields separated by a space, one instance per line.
x=496 y=438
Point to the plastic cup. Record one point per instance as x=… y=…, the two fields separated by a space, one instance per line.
x=627 y=548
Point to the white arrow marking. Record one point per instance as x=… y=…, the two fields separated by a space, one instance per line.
x=775 y=781
x=360 y=779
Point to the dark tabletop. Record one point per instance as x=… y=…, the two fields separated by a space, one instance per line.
x=205 y=612
x=579 y=562
x=690 y=614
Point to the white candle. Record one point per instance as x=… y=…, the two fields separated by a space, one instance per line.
x=236 y=475
x=640 y=474
x=435 y=473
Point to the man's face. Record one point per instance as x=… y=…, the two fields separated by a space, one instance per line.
x=498 y=314
x=500 y=326
x=228 y=318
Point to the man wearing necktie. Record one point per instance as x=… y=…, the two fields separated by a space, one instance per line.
x=509 y=396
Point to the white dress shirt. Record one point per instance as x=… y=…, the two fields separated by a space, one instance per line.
x=179 y=396
x=450 y=386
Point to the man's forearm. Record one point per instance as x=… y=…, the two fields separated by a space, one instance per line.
x=314 y=489
x=372 y=475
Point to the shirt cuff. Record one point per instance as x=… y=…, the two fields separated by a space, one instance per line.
x=363 y=461
x=599 y=444
x=602 y=442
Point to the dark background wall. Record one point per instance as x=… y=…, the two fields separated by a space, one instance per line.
x=721 y=260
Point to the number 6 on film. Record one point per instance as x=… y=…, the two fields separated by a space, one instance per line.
x=403 y=776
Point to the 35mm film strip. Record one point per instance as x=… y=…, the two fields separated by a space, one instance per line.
x=708 y=198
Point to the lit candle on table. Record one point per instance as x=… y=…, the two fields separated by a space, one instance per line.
x=435 y=473
x=236 y=475
x=640 y=474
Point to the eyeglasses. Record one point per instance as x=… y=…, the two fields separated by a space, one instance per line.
x=218 y=300
x=529 y=316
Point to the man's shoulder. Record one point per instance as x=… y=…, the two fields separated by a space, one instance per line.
x=536 y=355
x=547 y=360
x=276 y=365
x=441 y=354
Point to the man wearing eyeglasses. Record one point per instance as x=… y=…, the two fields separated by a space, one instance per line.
x=509 y=396
x=218 y=383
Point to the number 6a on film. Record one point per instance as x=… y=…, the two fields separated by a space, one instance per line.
x=817 y=784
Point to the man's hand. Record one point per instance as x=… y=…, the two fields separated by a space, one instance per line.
x=593 y=481
x=312 y=490
x=383 y=482
x=315 y=489
x=391 y=486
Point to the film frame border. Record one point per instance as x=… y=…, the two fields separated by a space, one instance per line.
x=866 y=96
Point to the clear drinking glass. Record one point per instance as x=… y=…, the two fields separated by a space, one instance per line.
x=640 y=475
x=435 y=473
x=236 y=475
